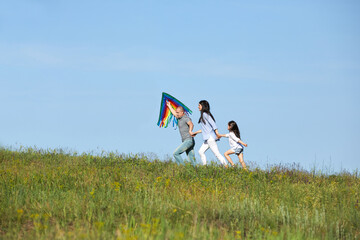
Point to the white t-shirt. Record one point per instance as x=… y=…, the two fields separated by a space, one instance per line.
x=233 y=141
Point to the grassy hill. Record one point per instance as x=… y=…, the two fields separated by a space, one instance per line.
x=47 y=194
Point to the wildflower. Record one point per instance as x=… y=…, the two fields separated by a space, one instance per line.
x=237 y=234
x=46 y=216
x=116 y=186
x=20 y=211
x=99 y=225
x=167 y=182
x=92 y=192
x=179 y=235
x=34 y=216
x=145 y=226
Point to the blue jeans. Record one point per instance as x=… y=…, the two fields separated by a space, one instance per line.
x=188 y=147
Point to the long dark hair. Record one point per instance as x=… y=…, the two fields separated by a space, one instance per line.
x=205 y=107
x=233 y=127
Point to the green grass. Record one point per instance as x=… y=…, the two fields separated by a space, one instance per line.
x=49 y=194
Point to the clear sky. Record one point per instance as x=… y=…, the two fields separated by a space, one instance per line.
x=88 y=75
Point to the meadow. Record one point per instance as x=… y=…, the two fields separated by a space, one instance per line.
x=52 y=194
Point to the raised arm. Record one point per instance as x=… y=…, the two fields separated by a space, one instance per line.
x=171 y=108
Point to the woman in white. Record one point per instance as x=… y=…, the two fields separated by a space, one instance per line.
x=209 y=132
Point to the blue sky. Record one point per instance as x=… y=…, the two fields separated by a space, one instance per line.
x=88 y=75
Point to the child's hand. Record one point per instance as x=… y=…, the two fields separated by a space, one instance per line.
x=192 y=134
x=245 y=144
x=218 y=136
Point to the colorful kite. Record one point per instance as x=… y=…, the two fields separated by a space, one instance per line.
x=165 y=115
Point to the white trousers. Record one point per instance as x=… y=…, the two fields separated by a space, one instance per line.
x=211 y=143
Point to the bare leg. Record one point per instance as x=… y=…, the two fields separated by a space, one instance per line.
x=226 y=154
x=241 y=160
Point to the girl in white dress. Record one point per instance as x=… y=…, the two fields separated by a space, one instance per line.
x=237 y=146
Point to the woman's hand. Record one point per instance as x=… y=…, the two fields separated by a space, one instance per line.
x=221 y=135
x=217 y=134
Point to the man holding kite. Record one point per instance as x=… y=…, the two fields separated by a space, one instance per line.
x=185 y=127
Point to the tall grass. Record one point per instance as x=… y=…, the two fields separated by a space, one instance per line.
x=50 y=194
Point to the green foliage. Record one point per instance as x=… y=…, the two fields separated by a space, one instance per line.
x=51 y=194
